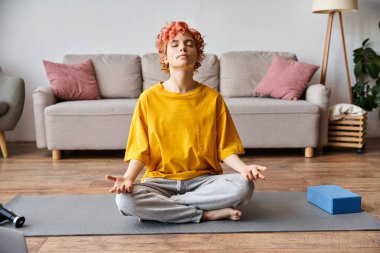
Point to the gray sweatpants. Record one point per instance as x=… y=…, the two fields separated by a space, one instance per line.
x=180 y=201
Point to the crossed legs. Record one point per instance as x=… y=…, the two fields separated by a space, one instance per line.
x=202 y=198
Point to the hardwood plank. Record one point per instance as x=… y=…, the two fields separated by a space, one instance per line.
x=352 y=184
x=189 y=242
x=35 y=243
x=30 y=171
x=322 y=250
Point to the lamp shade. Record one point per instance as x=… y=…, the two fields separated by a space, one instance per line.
x=326 y=6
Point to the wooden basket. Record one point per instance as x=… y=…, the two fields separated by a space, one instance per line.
x=348 y=132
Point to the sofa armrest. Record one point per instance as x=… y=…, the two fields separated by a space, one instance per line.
x=319 y=95
x=42 y=98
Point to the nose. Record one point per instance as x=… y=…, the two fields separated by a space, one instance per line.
x=182 y=47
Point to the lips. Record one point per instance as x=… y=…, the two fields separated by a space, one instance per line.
x=182 y=55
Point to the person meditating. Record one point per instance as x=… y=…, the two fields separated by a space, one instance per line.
x=181 y=129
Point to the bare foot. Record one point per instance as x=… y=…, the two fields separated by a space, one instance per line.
x=220 y=214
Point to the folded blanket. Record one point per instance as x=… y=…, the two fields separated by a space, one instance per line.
x=339 y=111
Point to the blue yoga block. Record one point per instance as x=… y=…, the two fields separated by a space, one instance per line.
x=334 y=199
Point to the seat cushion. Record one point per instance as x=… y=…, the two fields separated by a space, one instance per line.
x=118 y=75
x=275 y=123
x=207 y=73
x=3 y=107
x=240 y=72
x=258 y=105
x=102 y=124
x=102 y=107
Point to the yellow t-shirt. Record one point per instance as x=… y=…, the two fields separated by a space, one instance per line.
x=181 y=135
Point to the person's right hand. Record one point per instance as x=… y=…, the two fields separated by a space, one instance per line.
x=122 y=184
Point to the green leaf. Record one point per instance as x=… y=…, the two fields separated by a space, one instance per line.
x=378 y=81
x=364 y=69
x=367 y=102
x=376 y=60
x=369 y=52
x=361 y=97
x=372 y=70
x=358 y=69
x=356 y=101
x=365 y=42
x=358 y=50
x=375 y=89
x=359 y=86
x=371 y=103
x=376 y=68
x=363 y=102
x=358 y=58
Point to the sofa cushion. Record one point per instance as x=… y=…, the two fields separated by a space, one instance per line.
x=207 y=74
x=118 y=75
x=104 y=107
x=285 y=79
x=275 y=123
x=257 y=105
x=88 y=124
x=151 y=70
x=278 y=130
x=240 y=72
x=72 y=81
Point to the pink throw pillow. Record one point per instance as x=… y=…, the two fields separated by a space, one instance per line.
x=285 y=79
x=73 y=81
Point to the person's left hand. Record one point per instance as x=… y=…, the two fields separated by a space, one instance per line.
x=252 y=172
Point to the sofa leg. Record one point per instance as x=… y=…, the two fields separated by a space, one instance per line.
x=3 y=145
x=57 y=154
x=309 y=152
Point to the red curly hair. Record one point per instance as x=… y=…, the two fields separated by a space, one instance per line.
x=169 y=32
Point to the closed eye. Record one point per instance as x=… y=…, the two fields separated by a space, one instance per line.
x=175 y=43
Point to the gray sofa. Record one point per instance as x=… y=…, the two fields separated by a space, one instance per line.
x=104 y=124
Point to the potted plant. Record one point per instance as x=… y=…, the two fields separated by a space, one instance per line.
x=366 y=91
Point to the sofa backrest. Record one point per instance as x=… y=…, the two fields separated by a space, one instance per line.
x=126 y=76
x=208 y=72
x=118 y=75
x=241 y=71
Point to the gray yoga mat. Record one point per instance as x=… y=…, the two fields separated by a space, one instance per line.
x=57 y=215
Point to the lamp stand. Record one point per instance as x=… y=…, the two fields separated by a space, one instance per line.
x=327 y=47
x=345 y=55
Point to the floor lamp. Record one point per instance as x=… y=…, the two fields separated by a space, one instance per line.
x=331 y=7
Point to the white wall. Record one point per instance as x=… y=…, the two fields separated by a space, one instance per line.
x=48 y=29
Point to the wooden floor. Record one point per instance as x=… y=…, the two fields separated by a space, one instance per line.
x=29 y=171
